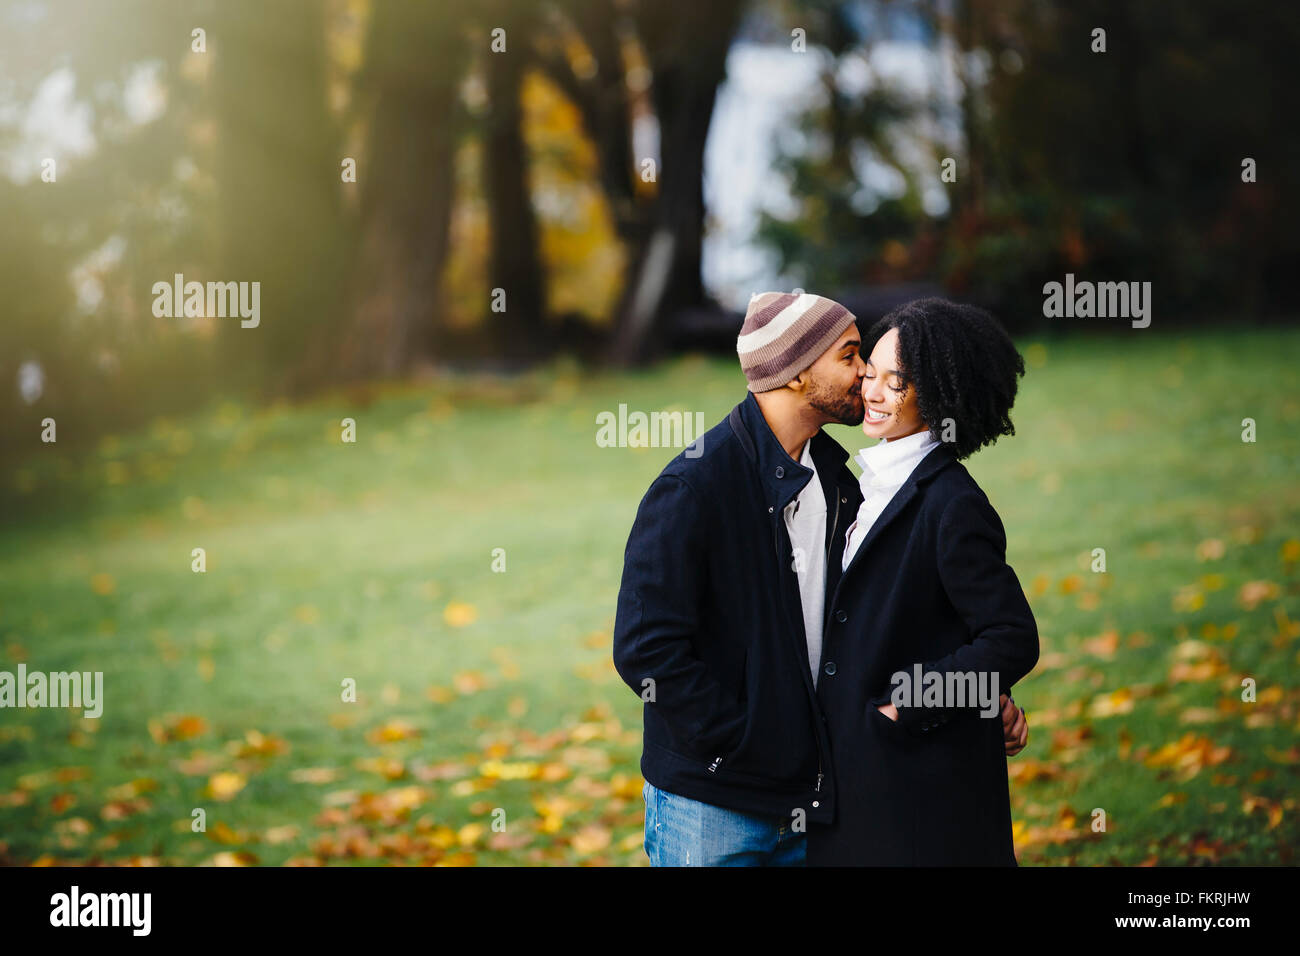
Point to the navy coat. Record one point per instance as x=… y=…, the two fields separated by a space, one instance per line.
x=709 y=612
x=929 y=585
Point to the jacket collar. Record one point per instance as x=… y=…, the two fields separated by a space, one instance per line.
x=938 y=459
x=781 y=476
x=892 y=461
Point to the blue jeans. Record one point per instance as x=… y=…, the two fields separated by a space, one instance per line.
x=680 y=831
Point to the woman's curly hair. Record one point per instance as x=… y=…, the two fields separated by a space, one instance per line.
x=963 y=364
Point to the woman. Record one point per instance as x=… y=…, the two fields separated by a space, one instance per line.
x=921 y=773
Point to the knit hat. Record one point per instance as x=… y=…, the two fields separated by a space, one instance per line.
x=786 y=332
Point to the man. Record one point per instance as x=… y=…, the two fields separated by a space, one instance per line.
x=721 y=609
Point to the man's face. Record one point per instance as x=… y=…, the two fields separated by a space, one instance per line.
x=833 y=384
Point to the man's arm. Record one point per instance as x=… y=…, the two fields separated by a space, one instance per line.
x=1015 y=726
x=658 y=620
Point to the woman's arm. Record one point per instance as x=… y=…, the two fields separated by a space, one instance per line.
x=987 y=594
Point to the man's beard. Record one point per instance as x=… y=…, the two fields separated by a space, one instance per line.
x=844 y=408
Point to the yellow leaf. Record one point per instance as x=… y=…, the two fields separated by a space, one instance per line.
x=222 y=833
x=392 y=731
x=443 y=837
x=1104 y=645
x=133 y=789
x=234 y=858
x=281 y=834
x=591 y=839
x=519 y=770
x=440 y=695
x=176 y=727
x=1108 y=705
x=468 y=682
x=1189 y=598
x=387 y=767
x=1211 y=549
x=224 y=785
x=314 y=775
x=1253 y=593
x=257 y=744
x=459 y=614
x=34 y=781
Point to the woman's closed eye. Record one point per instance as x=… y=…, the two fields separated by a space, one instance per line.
x=897 y=388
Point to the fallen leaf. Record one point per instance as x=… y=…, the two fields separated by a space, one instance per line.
x=224 y=785
x=459 y=614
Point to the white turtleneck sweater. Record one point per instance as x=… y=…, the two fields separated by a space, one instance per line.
x=885 y=467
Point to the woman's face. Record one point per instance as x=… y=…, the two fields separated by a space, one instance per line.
x=891 y=409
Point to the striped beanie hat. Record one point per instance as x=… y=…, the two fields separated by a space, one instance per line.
x=784 y=333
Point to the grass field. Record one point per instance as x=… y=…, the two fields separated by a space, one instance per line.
x=485 y=697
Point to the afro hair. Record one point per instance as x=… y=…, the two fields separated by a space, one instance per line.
x=963 y=364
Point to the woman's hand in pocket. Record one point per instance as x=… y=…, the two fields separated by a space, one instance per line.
x=890 y=711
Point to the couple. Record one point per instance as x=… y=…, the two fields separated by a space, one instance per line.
x=775 y=613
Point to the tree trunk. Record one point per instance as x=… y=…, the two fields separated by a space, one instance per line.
x=281 y=218
x=415 y=60
x=687 y=43
x=514 y=265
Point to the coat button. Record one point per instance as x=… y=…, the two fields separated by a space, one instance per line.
x=816 y=803
x=770 y=509
x=844 y=501
x=830 y=668
x=841 y=615
x=780 y=472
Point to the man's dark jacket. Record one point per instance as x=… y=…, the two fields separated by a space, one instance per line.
x=929 y=585
x=709 y=629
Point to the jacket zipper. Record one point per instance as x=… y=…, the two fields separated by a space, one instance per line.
x=830 y=542
x=835 y=526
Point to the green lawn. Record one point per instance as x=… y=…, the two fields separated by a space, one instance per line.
x=486 y=697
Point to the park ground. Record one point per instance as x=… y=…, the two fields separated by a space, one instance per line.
x=489 y=726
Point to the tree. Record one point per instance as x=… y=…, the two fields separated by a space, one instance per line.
x=277 y=173
x=685 y=43
x=415 y=58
